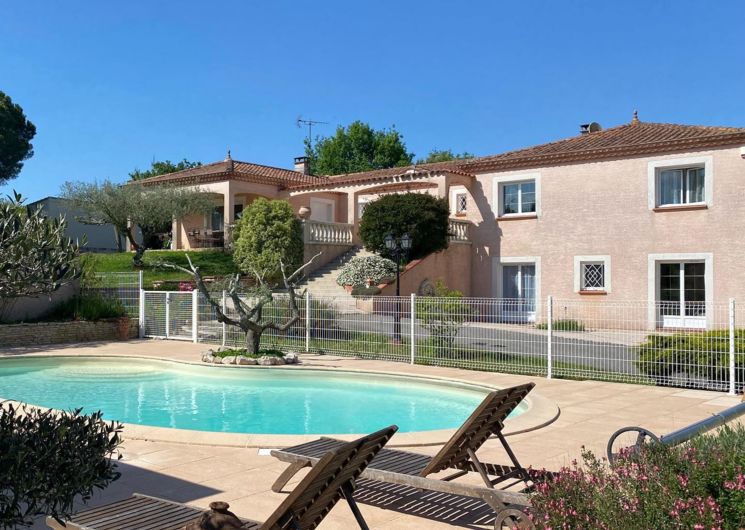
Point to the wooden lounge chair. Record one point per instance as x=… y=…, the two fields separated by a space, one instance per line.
x=458 y=455
x=332 y=478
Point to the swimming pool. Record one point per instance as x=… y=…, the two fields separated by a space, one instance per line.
x=235 y=400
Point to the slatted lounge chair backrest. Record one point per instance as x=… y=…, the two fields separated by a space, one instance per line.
x=320 y=489
x=486 y=420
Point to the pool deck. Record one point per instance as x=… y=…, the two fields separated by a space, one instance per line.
x=195 y=471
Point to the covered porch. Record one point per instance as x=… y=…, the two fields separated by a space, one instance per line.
x=342 y=202
x=213 y=230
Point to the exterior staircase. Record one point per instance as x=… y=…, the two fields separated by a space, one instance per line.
x=322 y=281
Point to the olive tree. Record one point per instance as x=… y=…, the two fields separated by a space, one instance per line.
x=126 y=206
x=36 y=257
x=250 y=305
x=49 y=459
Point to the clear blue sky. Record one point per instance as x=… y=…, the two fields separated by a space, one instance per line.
x=112 y=85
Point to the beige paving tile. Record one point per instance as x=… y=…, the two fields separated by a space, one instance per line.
x=200 y=473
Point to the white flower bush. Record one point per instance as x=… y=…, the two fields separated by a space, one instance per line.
x=358 y=270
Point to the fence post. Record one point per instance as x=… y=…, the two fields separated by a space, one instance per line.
x=141 y=313
x=168 y=314
x=195 y=316
x=549 y=336
x=224 y=326
x=307 y=321
x=139 y=278
x=732 y=346
x=412 y=324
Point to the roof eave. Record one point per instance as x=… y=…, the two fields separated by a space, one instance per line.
x=340 y=181
x=607 y=153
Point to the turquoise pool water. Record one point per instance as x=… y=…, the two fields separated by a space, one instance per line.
x=260 y=401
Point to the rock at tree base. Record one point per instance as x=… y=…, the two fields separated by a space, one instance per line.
x=270 y=360
x=243 y=360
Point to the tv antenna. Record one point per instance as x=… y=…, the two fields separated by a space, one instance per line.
x=309 y=123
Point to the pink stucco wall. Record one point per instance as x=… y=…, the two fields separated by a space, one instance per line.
x=340 y=203
x=449 y=266
x=601 y=208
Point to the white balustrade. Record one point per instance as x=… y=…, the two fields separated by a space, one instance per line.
x=328 y=233
x=459 y=231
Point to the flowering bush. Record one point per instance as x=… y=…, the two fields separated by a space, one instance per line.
x=360 y=269
x=185 y=286
x=698 y=485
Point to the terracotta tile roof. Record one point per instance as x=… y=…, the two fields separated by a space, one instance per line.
x=420 y=170
x=238 y=170
x=634 y=138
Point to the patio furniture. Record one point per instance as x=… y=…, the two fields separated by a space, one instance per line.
x=332 y=478
x=458 y=455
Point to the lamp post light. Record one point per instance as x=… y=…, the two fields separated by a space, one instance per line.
x=398 y=248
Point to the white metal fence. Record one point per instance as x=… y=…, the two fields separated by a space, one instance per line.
x=637 y=342
x=124 y=286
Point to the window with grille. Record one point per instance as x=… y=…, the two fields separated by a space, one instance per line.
x=461 y=203
x=593 y=276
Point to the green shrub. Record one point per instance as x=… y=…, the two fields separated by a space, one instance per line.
x=49 y=459
x=88 y=307
x=697 y=356
x=267 y=232
x=700 y=484
x=424 y=217
x=242 y=351
x=360 y=269
x=567 y=324
x=443 y=316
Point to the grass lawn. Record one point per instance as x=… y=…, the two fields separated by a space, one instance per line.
x=210 y=263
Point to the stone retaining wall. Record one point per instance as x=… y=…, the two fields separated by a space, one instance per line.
x=62 y=332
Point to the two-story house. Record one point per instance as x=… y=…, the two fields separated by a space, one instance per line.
x=638 y=212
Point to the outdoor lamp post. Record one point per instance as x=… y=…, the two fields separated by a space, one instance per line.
x=398 y=249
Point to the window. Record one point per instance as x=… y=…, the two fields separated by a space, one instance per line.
x=322 y=210
x=216 y=218
x=679 y=183
x=461 y=203
x=518 y=198
x=680 y=186
x=682 y=294
x=361 y=205
x=593 y=276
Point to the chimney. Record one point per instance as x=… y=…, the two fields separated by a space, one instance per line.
x=587 y=128
x=302 y=165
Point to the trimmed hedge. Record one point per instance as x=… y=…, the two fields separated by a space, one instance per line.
x=699 y=357
x=424 y=217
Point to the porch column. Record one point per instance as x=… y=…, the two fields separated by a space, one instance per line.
x=228 y=206
x=442 y=186
x=228 y=209
x=352 y=215
x=175 y=234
